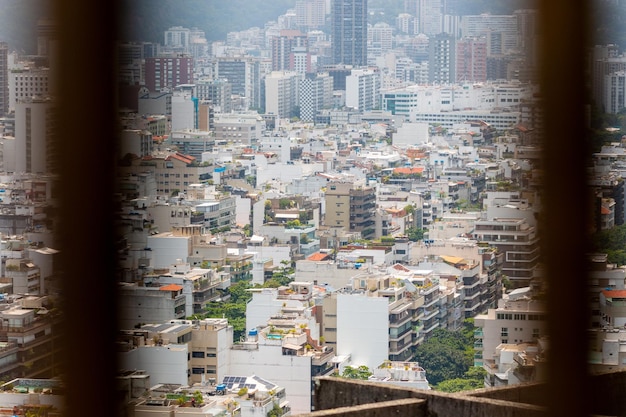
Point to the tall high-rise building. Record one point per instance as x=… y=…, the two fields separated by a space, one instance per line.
x=244 y=74
x=315 y=93
x=471 y=60
x=47 y=35
x=349 y=32
x=430 y=16
x=310 y=14
x=284 y=46
x=441 y=59
x=28 y=83
x=281 y=93
x=4 y=78
x=363 y=89
x=502 y=31
x=218 y=92
x=35 y=128
x=168 y=71
x=352 y=207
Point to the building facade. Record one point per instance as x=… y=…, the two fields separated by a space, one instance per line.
x=349 y=32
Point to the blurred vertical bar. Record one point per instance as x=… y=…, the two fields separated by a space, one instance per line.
x=86 y=144
x=564 y=39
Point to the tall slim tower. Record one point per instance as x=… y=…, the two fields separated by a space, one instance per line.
x=4 y=78
x=349 y=32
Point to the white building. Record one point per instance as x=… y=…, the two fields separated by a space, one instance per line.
x=315 y=93
x=362 y=89
x=362 y=331
x=411 y=134
x=281 y=93
x=168 y=248
x=28 y=83
x=504 y=28
x=615 y=92
x=34 y=134
x=519 y=318
x=166 y=364
x=184 y=110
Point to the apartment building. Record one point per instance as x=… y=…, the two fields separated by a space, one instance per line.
x=25 y=277
x=471 y=60
x=311 y=14
x=363 y=89
x=173 y=171
x=242 y=128
x=281 y=93
x=517 y=241
x=315 y=93
x=504 y=28
x=283 y=47
x=138 y=304
x=441 y=59
x=218 y=92
x=349 y=32
x=29 y=338
x=244 y=74
x=283 y=340
x=26 y=83
x=35 y=132
x=200 y=286
x=350 y=206
x=166 y=72
x=521 y=317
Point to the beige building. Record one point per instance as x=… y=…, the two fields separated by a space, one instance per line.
x=173 y=171
x=352 y=207
x=521 y=317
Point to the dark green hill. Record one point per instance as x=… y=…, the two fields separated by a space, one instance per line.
x=148 y=19
x=18 y=19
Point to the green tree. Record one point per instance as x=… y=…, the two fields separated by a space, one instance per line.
x=276 y=411
x=415 y=233
x=473 y=379
x=447 y=354
x=612 y=242
x=362 y=372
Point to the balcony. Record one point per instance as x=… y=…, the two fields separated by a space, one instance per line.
x=322 y=358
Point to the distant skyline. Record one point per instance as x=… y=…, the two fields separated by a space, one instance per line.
x=146 y=22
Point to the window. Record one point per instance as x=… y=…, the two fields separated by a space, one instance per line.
x=196 y=354
x=197 y=371
x=504 y=332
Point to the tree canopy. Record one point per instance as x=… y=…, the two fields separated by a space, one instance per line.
x=612 y=242
x=447 y=354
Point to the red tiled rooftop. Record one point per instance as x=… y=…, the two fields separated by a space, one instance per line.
x=187 y=159
x=171 y=287
x=400 y=267
x=318 y=256
x=614 y=293
x=408 y=171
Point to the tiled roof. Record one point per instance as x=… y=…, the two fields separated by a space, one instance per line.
x=171 y=287
x=614 y=293
x=400 y=267
x=318 y=256
x=408 y=171
x=187 y=159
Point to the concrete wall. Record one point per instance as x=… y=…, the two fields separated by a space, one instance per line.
x=331 y=394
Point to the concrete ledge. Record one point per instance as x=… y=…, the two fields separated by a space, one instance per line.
x=410 y=407
x=337 y=394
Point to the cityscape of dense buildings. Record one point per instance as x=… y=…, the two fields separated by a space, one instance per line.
x=317 y=146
